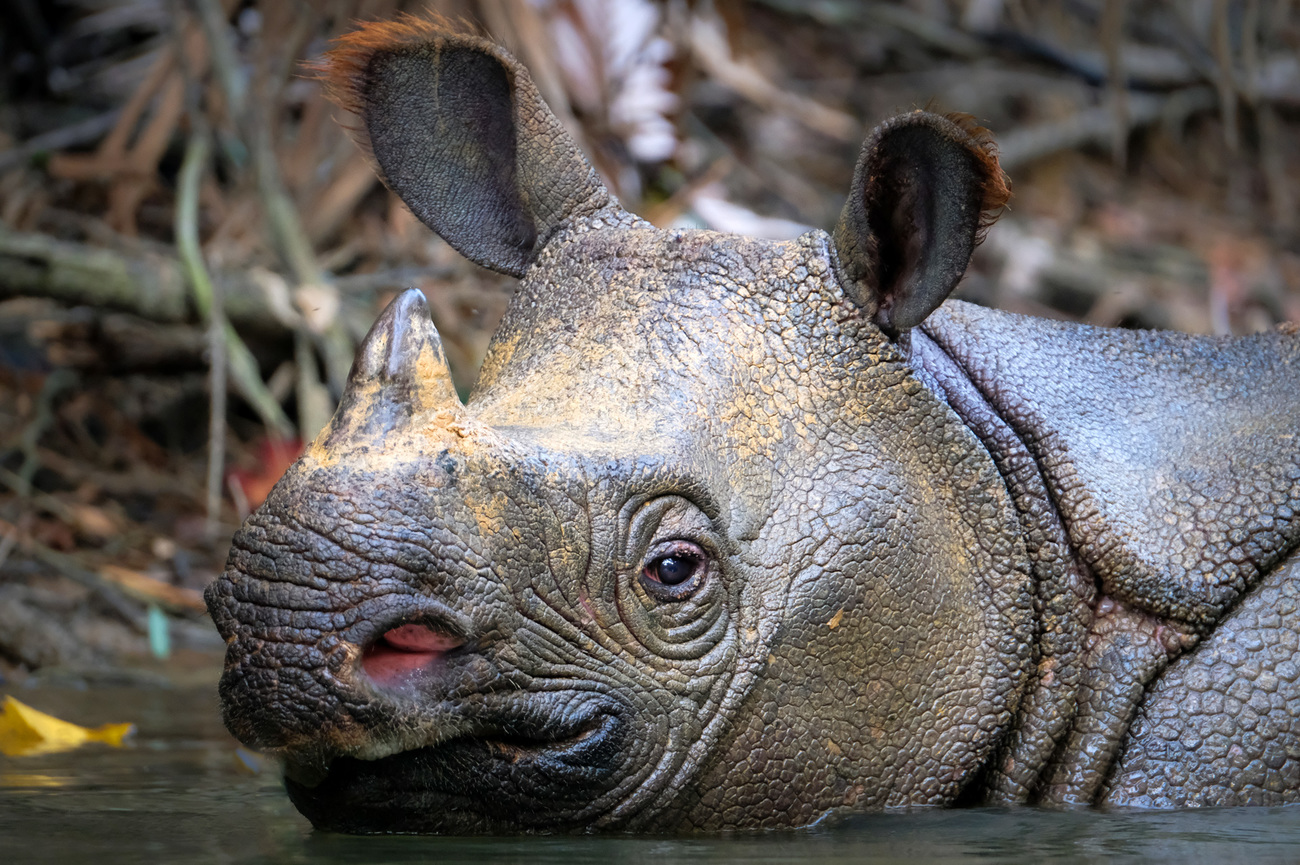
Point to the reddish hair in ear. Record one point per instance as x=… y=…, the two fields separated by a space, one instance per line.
x=994 y=191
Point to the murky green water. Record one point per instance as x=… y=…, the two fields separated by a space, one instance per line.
x=181 y=793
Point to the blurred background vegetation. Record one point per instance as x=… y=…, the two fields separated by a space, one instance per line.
x=191 y=246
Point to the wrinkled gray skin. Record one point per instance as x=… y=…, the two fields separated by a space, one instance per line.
x=928 y=554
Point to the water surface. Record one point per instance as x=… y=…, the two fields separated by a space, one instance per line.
x=181 y=792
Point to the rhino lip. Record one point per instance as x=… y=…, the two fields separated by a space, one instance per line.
x=509 y=738
x=521 y=768
x=523 y=745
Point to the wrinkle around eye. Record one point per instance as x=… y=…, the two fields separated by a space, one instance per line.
x=594 y=665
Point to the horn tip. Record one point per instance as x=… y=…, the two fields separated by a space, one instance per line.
x=397 y=335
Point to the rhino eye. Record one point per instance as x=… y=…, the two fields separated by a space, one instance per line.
x=675 y=573
x=672 y=570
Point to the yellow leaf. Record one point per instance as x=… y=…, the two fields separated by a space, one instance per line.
x=25 y=732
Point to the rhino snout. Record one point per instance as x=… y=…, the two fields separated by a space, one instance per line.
x=321 y=662
x=395 y=675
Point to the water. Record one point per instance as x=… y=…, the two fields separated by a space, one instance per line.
x=182 y=793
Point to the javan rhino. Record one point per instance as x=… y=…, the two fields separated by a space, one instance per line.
x=739 y=533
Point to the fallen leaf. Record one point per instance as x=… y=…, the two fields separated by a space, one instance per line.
x=25 y=732
x=273 y=459
x=142 y=587
x=92 y=521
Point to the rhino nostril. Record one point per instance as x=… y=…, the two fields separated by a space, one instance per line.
x=404 y=652
x=420 y=638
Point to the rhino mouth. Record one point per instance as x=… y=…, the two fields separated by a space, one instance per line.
x=529 y=770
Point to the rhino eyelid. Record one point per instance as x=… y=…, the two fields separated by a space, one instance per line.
x=681 y=546
x=695 y=498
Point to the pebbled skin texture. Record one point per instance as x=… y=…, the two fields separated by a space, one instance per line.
x=861 y=508
x=1174 y=483
x=982 y=559
x=1176 y=489
x=1220 y=727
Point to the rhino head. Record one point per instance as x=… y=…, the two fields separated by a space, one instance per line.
x=700 y=550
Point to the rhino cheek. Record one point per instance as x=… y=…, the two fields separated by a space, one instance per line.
x=671 y=662
x=891 y=676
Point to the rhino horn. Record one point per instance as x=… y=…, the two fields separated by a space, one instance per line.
x=400 y=370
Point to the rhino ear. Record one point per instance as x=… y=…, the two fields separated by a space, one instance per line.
x=460 y=133
x=924 y=189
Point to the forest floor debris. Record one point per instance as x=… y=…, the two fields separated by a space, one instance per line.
x=1152 y=155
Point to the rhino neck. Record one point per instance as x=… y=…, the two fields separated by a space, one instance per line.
x=1063 y=584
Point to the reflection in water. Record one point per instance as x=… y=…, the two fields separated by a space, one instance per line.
x=183 y=791
x=28 y=779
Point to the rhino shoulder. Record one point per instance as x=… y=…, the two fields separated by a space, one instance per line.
x=1174 y=460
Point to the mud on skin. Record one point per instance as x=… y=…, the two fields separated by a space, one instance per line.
x=735 y=533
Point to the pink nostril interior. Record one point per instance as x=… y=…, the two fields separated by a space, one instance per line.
x=418 y=638
x=405 y=651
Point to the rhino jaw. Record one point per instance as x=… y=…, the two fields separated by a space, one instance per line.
x=543 y=766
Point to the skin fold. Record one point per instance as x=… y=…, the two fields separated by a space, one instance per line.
x=736 y=533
